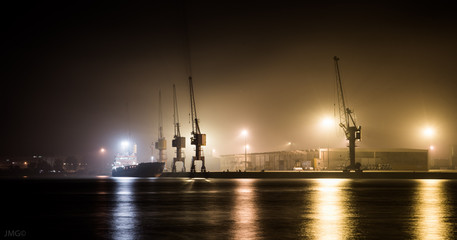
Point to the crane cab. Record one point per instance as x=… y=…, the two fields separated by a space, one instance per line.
x=358 y=133
x=198 y=139
x=179 y=142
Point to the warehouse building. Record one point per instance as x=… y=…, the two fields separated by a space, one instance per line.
x=327 y=159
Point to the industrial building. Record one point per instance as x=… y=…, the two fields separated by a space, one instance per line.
x=280 y=160
x=327 y=159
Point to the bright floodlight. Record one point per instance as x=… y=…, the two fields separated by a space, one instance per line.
x=247 y=146
x=125 y=144
x=244 y=132
x=327 y=122
x=429 y=132
x=102 y=150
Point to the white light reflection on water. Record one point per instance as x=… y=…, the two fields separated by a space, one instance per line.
x=431 y=211
x=245 y=211
x=330 y=216
x=124 y=217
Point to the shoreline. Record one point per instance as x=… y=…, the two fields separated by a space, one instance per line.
x=319 y=174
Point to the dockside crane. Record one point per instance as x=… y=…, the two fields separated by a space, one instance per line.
x=178 y=142
x=161 y=143
x=347 y=121
x=198 y=139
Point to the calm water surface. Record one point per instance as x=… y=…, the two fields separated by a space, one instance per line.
x=151 y=208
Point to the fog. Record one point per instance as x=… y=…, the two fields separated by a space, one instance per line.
x=87 y=75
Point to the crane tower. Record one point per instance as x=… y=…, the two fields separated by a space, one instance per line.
x=178 y=142
x=161 y=143
x=347 y=121
x=198 y=139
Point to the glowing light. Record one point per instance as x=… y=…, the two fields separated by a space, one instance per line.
x=289 y=143
x=247 y=146
x=429 y=132
x=102 y=150
x=327 y=122
x=244 y=132
x=432 y=147
x=124 y=144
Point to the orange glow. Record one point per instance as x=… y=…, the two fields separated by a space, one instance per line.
x=327 y=122
x=431 y=211
x=245 y=211
x=428 y=132
x=328 y=203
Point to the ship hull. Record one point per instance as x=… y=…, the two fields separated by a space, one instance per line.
x=151 y=169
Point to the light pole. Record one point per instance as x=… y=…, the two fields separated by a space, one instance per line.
x=327 y=123
x=245 y=134
x=429 y=133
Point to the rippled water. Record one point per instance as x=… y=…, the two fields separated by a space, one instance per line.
x=151 y=208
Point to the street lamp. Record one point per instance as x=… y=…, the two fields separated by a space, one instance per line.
x=102 y=150
x=429 y=132
x=245 y=134
x=327 y=123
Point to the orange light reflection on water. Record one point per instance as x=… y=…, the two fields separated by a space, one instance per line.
x=330 y=216
x=245 y=211
x=431 y=211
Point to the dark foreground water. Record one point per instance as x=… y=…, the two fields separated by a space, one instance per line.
x=150 y=208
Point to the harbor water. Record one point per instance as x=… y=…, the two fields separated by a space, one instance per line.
x=183 y=208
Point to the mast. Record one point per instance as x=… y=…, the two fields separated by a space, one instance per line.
x=178 y=142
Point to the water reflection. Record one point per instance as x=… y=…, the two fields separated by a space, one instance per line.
x=245 y=211
x=431 y=210
x=330 y=214
x=124 y=217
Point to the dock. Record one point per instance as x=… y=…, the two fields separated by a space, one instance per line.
x=318 y=174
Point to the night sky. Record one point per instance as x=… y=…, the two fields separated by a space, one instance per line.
x=80 y=75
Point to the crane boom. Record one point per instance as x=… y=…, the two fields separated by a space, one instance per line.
x=193 y=109
x=175 y=113
x=160 y=116
x=347 y=121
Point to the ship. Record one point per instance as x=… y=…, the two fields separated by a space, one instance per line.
x=146 y=169
x=126 y=164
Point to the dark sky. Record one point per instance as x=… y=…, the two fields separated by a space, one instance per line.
x=71 y=68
